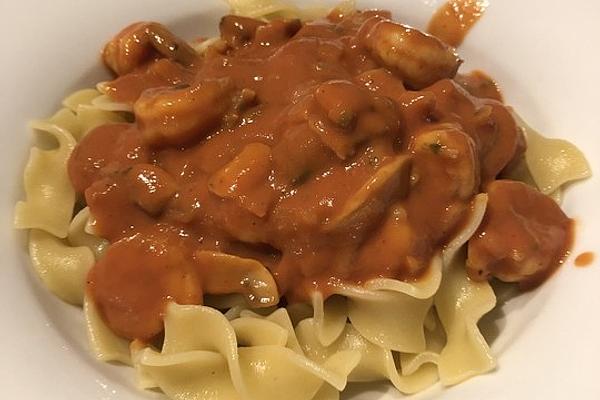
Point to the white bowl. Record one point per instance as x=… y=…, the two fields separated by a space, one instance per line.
x=543 y=53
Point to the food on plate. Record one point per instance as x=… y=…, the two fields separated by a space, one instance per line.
x=292 y=205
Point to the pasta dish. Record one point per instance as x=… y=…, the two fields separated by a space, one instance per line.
x=310 y=198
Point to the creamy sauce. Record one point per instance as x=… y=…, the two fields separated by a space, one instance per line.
x=295 y=146
x=585 y=259
x=454 y=20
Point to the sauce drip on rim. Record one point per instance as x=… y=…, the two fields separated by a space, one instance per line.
x=585 y=259
x=455 y=18
x=289 y=158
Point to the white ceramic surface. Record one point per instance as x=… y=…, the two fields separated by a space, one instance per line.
x=544 y=53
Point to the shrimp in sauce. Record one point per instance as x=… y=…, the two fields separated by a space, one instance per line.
x=292 y=157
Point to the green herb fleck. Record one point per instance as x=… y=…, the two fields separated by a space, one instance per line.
x=435 y=147
x=345 y=118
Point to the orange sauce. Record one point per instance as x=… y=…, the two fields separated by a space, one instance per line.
x=299 y=147
x=479 y=84
x=454 y=20
x=584 y=259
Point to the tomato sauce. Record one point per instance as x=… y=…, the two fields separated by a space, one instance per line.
x=293 y=154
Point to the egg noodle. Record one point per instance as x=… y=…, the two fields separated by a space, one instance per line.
x=412 y=334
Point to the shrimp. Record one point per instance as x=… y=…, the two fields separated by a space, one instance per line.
x=173 y=116
x=353 y=114
x=522 y=238
x=451 y=155
x=142 y=42
x=418 y=58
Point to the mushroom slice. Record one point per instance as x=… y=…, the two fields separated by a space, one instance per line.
x=390 y=180
x=245 y=179
x=225 y=274
x=332 y=136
